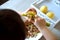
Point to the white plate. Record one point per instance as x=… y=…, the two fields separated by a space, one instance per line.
x=51 y=7
x=39 y=35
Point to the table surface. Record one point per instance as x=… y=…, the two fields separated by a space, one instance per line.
x=20 y=5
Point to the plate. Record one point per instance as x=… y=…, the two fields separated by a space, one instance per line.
x=51 y=7
x=38 y=36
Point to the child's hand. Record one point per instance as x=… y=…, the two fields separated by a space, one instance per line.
x=40 y=22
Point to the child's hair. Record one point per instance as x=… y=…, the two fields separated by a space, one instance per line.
x=11 y=25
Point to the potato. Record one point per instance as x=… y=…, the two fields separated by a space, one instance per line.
x=44 y=9
x=50 y=15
